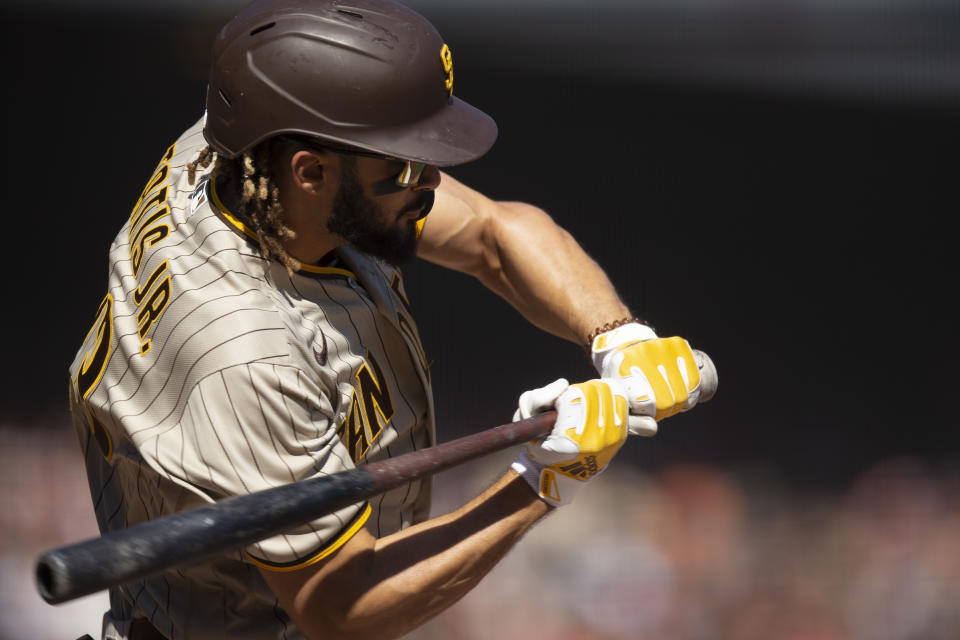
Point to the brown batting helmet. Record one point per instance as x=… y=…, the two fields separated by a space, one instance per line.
x=368 y=74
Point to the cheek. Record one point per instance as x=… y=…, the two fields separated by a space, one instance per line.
x=392 y=207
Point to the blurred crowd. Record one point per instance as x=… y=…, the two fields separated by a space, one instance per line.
x=687 y=552
x=692 y=552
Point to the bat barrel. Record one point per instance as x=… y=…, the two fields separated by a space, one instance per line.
x=191 y=536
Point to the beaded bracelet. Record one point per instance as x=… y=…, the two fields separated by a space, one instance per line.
x=610 y=326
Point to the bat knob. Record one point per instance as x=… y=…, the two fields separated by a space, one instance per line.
x=708 y=375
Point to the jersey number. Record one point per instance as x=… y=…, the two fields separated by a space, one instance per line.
x=92 y=368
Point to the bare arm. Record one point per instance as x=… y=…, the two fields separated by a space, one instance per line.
x=521 y=254
x=384 y=588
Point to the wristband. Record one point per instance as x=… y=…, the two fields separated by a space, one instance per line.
x=609 y=326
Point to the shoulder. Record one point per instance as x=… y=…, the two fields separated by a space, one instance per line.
x=186 y=150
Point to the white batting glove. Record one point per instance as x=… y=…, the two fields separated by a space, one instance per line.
x=660 y=374
x=591 y=427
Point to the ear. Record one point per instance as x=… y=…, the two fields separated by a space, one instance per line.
x=308 y=170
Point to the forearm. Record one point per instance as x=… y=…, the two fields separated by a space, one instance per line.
x=419 y=572
x=543 y=272
x=400 y=581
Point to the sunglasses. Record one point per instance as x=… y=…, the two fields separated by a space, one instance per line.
x=409 y=175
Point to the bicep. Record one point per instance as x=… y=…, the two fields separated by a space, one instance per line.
x=470 y=232
x=456 y=230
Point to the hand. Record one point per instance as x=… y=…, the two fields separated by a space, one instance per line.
x=660 y=374
x=591 y=427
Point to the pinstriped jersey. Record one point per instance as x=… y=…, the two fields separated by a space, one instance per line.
x=211 y=372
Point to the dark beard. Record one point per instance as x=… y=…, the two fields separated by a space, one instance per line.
x=358 y=220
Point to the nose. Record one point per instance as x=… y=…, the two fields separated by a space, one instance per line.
x=429 y=179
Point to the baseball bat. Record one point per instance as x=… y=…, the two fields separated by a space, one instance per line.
x=192 y=536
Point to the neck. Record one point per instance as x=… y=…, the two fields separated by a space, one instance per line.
x=311 y=243
x=228 y=191
x=311 y=248
x=304 y=215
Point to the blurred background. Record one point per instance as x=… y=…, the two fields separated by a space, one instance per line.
x=771 y=180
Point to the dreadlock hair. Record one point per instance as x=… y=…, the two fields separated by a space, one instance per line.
x=259 y=195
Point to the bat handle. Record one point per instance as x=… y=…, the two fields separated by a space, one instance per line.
x=708 y=376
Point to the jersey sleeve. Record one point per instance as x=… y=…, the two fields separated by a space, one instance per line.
x=260 y=425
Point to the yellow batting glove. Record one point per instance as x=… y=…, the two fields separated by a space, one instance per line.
x=591 y=427
x=660 y=374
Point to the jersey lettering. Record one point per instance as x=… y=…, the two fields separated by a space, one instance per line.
x=146 y=231
x=352 y=432
x=369 y=416
x=154 y=307
x=148 y=239
x=377 y=404
x=153 y=201
x=156 y=200
x=141 y=292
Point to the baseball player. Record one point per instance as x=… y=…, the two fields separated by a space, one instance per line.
x=255 y=331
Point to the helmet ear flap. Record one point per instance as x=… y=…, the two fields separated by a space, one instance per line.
x=318 y=70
